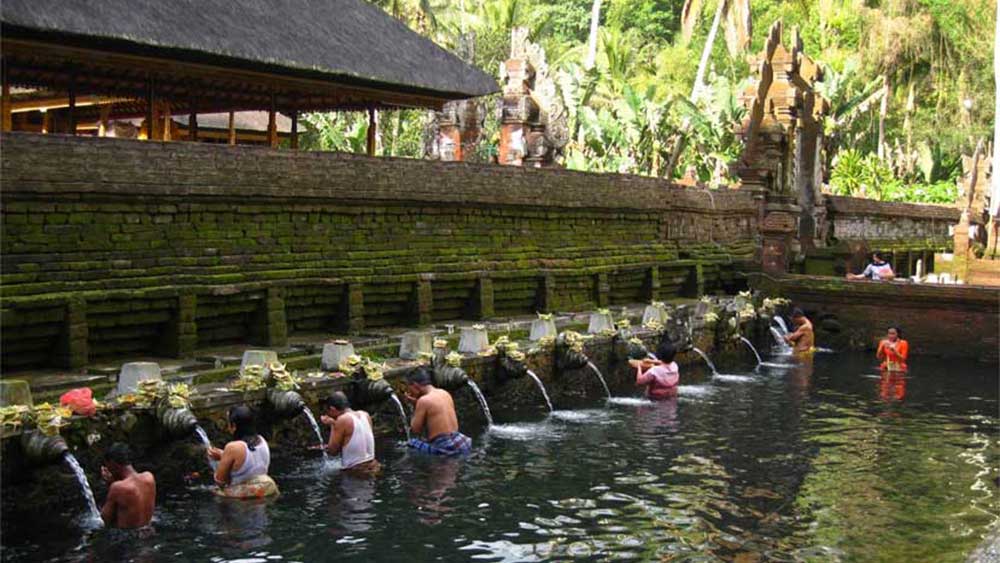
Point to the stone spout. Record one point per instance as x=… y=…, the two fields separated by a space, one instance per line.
x=364 y=391
x=566 y=357
x=447 y=376
x=177 y=422
x=508 y=368
x=285 y=404
x=41 y=449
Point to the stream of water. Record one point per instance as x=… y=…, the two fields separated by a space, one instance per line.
x=93 y=520
x=482 y=403
x=203 y=437
x=402 y=415
x=315 y=427
x=541 y=387
x=752 y=349
x=704 y=356
x=600 y=377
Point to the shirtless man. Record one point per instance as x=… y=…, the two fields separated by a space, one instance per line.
x=434 y=416
x=351 y=436
x=131 y=495
x=802 y=339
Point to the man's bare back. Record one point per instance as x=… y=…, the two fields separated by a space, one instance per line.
x=435 y=413
x=131 y=501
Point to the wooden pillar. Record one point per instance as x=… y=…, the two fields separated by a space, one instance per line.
x=102 y=125
x=272 y=124
x=165 y=120
x=46 y=121
x=193 y=119
x=5 y=108
x=149 y=108
x=295 y=129
x=232 y=128
x=72 y=102
x=372 y=127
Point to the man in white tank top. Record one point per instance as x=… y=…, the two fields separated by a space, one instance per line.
x=351 y=435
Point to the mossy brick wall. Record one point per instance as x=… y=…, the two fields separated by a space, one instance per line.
x=115 y=247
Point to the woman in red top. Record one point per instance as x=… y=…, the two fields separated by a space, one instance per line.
x=893 y=350
x=659 y=376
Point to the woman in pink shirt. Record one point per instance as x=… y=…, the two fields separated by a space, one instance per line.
x=659 y=376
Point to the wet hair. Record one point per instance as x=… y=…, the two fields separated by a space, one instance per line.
x=419 y=375
x=666 y=351
x=877 y=255
x=899 y=331
x=337 y=400
x=119 y=453
x=243 y=418
x=796 y=313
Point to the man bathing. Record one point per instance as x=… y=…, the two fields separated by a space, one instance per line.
x=351 y=436
x=802 y=339
x=434 y=416
x=131 y=495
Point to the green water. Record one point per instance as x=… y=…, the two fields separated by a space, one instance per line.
x=828 y=464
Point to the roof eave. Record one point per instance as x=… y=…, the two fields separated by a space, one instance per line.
x=126 y=46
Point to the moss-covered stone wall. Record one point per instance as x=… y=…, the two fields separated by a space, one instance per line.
x=116 y=247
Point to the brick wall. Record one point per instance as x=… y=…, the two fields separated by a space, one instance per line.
x=116 y=247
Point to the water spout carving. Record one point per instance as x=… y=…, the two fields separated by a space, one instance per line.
x=43 y=449
x=280 y=394
x=448 y=374
x=368 y=386
x=510 y=360
x=569 y=352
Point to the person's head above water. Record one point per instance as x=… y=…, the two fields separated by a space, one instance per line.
x=418 y=380
x=336 y=404
x=798 y=317
x=666 y=351
x=894 y=333
x=243 y=424
x=117 y=459
x=877 y=257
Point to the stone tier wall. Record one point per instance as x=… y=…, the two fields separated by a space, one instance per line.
x=116 y=247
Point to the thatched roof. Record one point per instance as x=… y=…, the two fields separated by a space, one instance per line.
x=344 y=41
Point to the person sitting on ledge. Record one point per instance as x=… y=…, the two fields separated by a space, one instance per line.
x=351 y=436
x=659 y=376
x=434 y=415
x=802 y=339
x=131 y=495
x=876 y=271
x=243 y=464
x=893 y=350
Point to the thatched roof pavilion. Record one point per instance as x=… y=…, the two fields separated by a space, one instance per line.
x=95 y=60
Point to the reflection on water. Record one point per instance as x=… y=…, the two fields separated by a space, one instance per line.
x=811 y=463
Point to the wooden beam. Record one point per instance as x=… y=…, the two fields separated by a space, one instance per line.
x=372 y=125
x=232 y=128
x=272 y=124
x=294 y=142
x=7 y=121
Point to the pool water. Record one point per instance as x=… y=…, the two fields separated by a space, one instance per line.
x=821 y=463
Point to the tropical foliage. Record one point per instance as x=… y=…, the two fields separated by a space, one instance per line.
x=910 y=84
